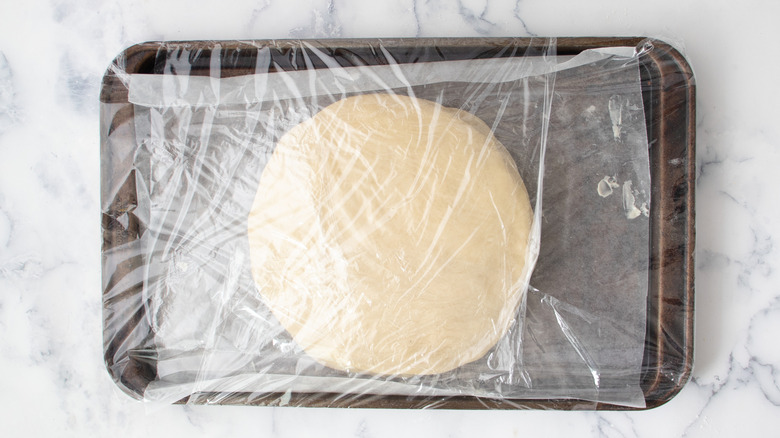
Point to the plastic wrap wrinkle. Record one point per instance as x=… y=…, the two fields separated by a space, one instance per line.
x=202 y=144
x=182 y=90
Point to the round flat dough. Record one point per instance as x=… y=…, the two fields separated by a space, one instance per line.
x=389 y=235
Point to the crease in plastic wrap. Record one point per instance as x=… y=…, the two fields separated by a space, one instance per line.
x=385 y=250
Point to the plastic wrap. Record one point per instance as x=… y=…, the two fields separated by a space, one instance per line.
x=379 y=223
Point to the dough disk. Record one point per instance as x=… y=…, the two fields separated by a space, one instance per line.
x=389 y=235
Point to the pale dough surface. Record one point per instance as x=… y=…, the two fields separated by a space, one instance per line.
x=388 y=235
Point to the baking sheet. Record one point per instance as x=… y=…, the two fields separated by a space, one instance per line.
x=208 y=324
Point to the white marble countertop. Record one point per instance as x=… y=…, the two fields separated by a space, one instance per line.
x=54 y=53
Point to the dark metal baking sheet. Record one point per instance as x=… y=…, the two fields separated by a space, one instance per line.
x=668 y=93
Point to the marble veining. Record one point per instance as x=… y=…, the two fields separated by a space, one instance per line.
x=8 y=110
x=53 y=54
